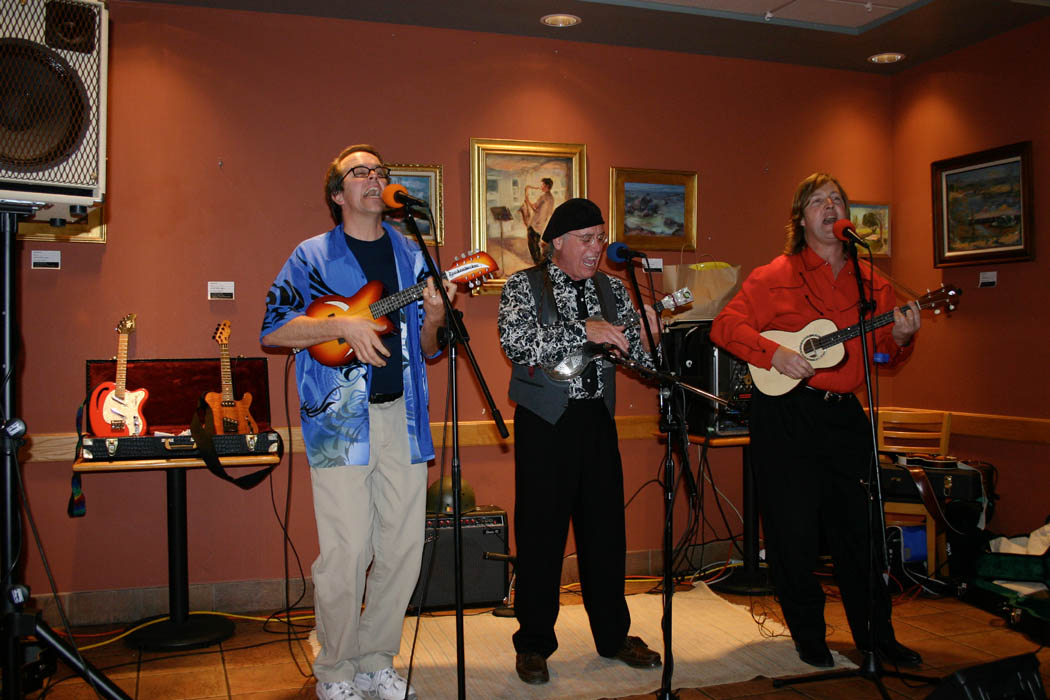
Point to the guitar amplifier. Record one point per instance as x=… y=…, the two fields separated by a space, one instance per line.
x=484 y=581
x=701 y=363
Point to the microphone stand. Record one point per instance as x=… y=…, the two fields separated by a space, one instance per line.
x=878 y=559
x=457 y=334
x=673 y=425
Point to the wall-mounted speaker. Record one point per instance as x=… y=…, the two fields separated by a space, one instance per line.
x=706 y=366
x=53 y=72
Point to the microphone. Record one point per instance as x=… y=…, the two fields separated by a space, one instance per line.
x=844 y=231
x=619 y=252
x=396 y=196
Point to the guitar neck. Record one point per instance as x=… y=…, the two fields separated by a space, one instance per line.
x=227 y=374
x=398 y=299
x=122 y=365
x=841 y=336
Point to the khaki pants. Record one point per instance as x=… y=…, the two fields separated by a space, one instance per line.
x=367 y=515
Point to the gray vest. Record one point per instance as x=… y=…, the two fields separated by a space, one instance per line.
x=530 y=386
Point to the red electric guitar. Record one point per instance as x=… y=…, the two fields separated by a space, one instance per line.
x=113 y=411
x=229 y=415
x=368 y=303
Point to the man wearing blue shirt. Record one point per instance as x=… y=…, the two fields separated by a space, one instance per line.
x=366 y=427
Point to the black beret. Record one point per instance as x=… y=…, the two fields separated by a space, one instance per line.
x=572 y=215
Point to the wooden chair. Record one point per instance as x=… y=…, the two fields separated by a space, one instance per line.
x=923 y=432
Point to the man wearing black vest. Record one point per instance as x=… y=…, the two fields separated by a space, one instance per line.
x=566 y=455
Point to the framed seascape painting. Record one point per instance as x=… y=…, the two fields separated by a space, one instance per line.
x=653 y=209
x=872 y=223
x=982 y=207
x=424 y=182
x=514 y=185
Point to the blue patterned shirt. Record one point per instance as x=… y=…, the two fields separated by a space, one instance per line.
x=334 y=400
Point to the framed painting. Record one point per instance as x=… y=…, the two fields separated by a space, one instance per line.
x=982 y=207
x=514 y=185
x=424 y=182
x=872 y=223
x=653 y=209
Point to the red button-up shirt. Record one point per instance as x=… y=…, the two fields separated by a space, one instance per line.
x=790 y=292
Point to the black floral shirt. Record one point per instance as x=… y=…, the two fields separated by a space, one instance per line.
x=527 y=342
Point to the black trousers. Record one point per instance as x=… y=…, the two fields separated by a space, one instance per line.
x=569 y=471
x=810 y=458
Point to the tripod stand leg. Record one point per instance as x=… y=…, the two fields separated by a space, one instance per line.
x=102 y=685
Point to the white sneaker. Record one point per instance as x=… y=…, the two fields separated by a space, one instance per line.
x=340 y=690
x=385 y=685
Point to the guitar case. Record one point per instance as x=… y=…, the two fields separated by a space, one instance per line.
x=1030 y=613
x=175 y=390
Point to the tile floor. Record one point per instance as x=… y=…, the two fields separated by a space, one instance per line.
x=260 y=664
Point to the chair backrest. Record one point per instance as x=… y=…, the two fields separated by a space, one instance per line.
x=924 y=432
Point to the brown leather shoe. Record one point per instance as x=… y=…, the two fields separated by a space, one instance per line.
x=635 y=653
x=532 y=668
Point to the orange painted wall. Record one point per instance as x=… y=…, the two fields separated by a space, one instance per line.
x=221 y=124
x=992 y=94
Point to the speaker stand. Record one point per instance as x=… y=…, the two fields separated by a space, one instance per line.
x=17 y=624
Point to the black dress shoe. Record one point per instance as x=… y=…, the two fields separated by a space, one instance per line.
x=897 y=654
x=532 y=668
x=634 y=652
x=814 y=652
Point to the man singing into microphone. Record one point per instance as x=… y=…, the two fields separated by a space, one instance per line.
x=811 y=447
x=566 y=457
x=366 y=427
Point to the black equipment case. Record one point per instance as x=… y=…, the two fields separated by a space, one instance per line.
x=175 y=389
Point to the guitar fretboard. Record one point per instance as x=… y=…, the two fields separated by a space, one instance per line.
x=227 y=374
x=841 y=336
x=122 y=365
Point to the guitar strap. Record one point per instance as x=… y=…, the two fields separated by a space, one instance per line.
x=206 y=451
x=929 y=498
x=77 y=505
x=546 y=305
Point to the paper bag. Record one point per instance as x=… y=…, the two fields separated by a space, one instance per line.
x=713 y=284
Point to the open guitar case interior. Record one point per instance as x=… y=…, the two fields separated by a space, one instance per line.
x=176 y=388
x=1029 y=612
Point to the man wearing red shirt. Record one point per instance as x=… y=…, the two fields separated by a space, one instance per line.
x=811 y=447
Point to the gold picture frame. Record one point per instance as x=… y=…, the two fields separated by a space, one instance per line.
x=90 y=230
x=653 y=209
x=424 y=182
x=872 y=223
x=502 y=173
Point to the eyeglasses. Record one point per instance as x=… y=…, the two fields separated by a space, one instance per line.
x=363 y=171
x=591 y=238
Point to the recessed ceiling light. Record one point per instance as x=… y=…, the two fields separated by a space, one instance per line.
x=888 y=57
x=560 y=20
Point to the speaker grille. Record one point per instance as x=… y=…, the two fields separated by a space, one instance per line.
x=52 y=92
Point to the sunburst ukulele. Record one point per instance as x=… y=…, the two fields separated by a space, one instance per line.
x=113 y=411
x=369 y=303
x=229 y=416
